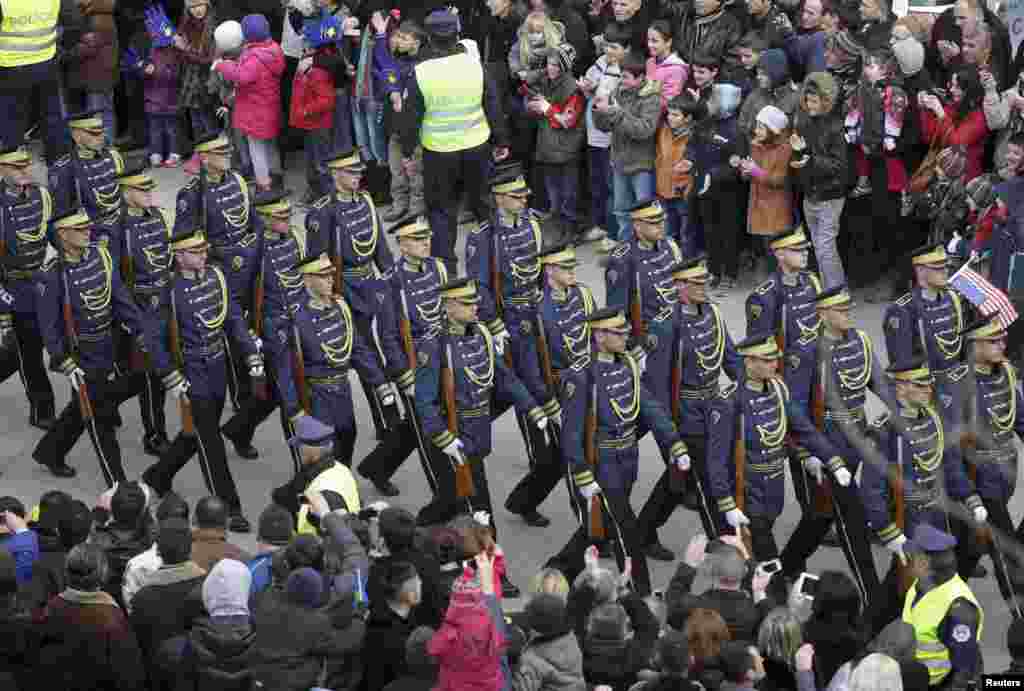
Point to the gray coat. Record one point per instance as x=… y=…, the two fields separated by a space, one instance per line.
x=552 y=663
x=633 y=121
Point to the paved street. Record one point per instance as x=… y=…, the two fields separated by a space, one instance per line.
x=526 y=548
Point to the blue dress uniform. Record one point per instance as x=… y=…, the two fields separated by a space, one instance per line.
x=609 y=388
x=278 y=291
x=88 y=178
x=348 y=228
x=911 y=444
x=784 y=306
x=947 y=618
x=844 y=370
x=992 y=421
x=479 y=374
x=750 y=425
x=702 y=349
x=145 y=263
x=99 y=304
x=639 y=274
x=503 y=259
x=414 y=287
x=223 y=207
x=330 y=346
x=562 y=318
x=203 y=315
x=25 y=215
x=919 y=325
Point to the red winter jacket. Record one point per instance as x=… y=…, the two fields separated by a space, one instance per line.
x=257 y=76
x=312 y=100
x=970 y=133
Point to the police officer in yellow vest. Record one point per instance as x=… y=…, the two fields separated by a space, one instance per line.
x=452 y=107
x=946 y=617
x=28 y=69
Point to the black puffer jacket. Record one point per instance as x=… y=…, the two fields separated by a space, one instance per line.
x=825 y=175
x=717 y=34
x=120 y=543
x=216 y=648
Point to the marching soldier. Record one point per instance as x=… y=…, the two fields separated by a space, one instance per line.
x=605 y=404
x=194 y=370
x=993 y=420
x=454 y=391
x=845 y=367
x=701 y=350
x=25 y=213
x=784 y=306
x=219 y=201
x=908 y=484
x=562 y=337
x=502 y=257
x=414 y=315
x=346 y=225
x=87 y=176
x=145 y=264
x=750 y=421
x=279 y=290
x=928 y=321
x=81 y=303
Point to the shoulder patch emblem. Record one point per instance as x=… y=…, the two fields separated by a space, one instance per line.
x=470 y=252
x=41 y=286
x=182 y=205
x=380 y=298
x=652 y=342
x=756 y=309
x=961 y=633
x=612 y=276
x=237 y=263
x=569 y=389
x=282 y=336
x=526 y=327
x=422 y=359
x=946 y=400
x=893 y=323
x=314 y=225
x=620 y=250
x=154 y=301
x=766 y=286
x=794 y=361
x=716 y=417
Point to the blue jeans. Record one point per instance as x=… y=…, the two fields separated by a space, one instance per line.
x=103 y=100
x=37 y=86
x=561 y=182
x=342 y=132
x=600 y=187
x=368 y=118
x=163 y=134
x=677 y=225
x=628 y=190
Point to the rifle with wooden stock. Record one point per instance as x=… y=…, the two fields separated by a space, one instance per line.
x=739 y=455
x=136 y=358
x=188 y=425
x=464 y=487
x=596 y=521
x=498 y=284
x=547 y=371
x=677 y=477
x=409 y=348
x=636 y=315
x=899 y=516
x=84 y=403
x=339 y=263
x=969 y=444
x=823 y=500
x=299 y=372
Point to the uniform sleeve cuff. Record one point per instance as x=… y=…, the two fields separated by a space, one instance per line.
x=972 y=502
x=889 y=533
x=383 y=390
x=552 y=408
x=535 y=414
x=835 y=463
x=678 y=449
x=495 y=326
x=726 y=504
x=173 y=379
x=67 y=366
x=583 y=478
x=294 y=418
x=443 y=439
x=253 y=361
x=406 y=379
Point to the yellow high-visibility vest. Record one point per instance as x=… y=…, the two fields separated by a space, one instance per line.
x=453 y=91
x=338 y=479
x=926 y=616
x=28 y=32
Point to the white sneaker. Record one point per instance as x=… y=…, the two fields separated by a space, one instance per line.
x=594 y=234
x=155 y=160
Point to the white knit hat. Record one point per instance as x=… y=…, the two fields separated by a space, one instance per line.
x=773 y=118
x=228 y=36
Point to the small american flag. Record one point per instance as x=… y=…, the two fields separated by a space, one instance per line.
x=980 y=292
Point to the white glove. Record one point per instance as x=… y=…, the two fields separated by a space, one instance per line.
x=705 y=187
x=896 y=547
x=378 y=506
x=813 y=467
x=77 y=378
x=258 y=342
x=542 y=424
x=590 y=490
x=389 y=397
x=843 y=477
x=6 y=336
x=980 y=514
x=482 y=517
x=642 y=362
x=454 y=449
x=683 y=461
x=410 y=390
x=180 y=390
x=954 y=243
x=256 y=371
x=500 y=340
x=736 y=518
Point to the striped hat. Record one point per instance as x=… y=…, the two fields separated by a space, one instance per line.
x=565 y=55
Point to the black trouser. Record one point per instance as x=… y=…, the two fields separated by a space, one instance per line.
x=26 y=358
x=446 y=504
x=762 y=538
x=239 y=381
x=621 y=525
x=241 y=428
x=209 y=445
x=445 y=177
x=1003 y=561
x=543 y=477
x=851 y=528
x=401 y=440
x=152 y=395
x=663 y=501
x=105 y=395
x=384 y=417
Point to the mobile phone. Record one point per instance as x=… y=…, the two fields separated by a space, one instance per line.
x=770 y=566
x=658 y=594
x=807 y=585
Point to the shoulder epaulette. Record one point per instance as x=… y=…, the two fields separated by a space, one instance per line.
x=782 y=387
x=322 y=202
x=815 y=281
x=676 y=252
x=958 y=373
x=442 y=271
x=480 y=227
x=620 y=250
x=904 y=299
x=168 y=221
x=726 y=392
x=765 y=287
x=118 y=160
x=881 y=421
x=588 y=298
